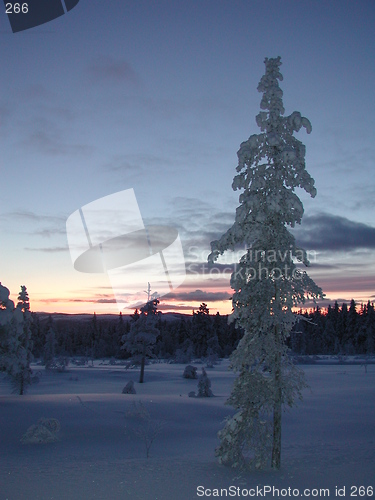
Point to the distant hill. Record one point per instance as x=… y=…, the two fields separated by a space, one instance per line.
x=107 y=317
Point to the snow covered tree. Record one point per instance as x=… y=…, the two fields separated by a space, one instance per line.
x=16 y=345
x=6 y=316
x=143 y=333
x=268 y=281
x=202 y=335
x=49 y=349
x=23 y=377
x=370 y=328
x=93 y=336
x=204 y=385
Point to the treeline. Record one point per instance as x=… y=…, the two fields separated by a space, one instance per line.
x=338 y=330
x=199 y=335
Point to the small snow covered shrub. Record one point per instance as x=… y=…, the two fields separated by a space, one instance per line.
x=204 y=385
x=190 y=372
x=182 y=357
x=45 y=431
x=129 y=388
x=80 y=361
x=35 y=379
x=365 y=362
x=342 y=358
x=57 y=364
x=212 y=360
x=146 y=428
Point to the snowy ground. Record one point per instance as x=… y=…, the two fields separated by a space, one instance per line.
x=328 y=440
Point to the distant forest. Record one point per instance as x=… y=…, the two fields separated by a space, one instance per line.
x=338 y=330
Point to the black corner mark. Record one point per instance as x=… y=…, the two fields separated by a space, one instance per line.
x=27 y=14
x=69 y=4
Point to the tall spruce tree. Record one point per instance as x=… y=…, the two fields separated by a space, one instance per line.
x=267 y=281
x=22 y=377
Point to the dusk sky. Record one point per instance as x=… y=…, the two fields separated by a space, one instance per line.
x=158 y=96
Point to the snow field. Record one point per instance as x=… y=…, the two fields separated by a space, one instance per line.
x=328 y=440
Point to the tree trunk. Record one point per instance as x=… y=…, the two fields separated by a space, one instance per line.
x=276 y=446
x=142 y=369
x=21 y=385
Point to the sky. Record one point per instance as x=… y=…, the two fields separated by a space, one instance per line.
x=157 y=97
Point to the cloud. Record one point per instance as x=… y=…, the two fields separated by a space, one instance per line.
x=45 y=121
x=48 y=232
x=35 y=224
x=137 y=164
x=53 y=300
x=174 y=307
x=354 y=284
x=332 y=232
x=198 y=296
x=31 y=216
x=5 y=116
x=198 y=223
x=47 y=250
x=49 y=141
x=190 y=205
x=102 y=300
x=106 y=68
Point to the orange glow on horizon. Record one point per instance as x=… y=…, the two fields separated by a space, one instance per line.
x=67 y=307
